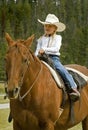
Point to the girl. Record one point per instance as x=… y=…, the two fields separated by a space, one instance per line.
x=50 y=44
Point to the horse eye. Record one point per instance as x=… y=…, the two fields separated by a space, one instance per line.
x=25 y=60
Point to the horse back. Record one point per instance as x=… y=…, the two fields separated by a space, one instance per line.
x=80 y=68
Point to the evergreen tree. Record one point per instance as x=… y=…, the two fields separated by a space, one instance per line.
x=19 y=19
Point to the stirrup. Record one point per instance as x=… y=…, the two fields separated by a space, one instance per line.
x=74 y=96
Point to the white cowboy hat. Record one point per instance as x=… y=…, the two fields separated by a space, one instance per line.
x=52 y=19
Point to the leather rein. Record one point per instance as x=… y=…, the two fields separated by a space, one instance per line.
x=36 y=78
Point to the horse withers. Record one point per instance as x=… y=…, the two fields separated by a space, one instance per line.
x=35 y=99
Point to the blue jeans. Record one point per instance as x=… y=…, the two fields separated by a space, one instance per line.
x=63 y=72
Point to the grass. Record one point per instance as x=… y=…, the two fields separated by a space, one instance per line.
x=2 y=100
x=77 y=127
x=2 y=93
x=2 y=88
x=4 y=124
x=4 y=113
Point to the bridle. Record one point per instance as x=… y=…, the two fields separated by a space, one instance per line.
x=22 y=78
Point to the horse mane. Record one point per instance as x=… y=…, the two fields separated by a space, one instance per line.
x=30 y=51
x=33 y=56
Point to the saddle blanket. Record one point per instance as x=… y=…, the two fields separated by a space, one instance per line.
x=80 y=78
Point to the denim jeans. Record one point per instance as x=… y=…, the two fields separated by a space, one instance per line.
x=63 y=72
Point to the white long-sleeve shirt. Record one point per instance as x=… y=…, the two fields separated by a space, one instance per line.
x=51 y=45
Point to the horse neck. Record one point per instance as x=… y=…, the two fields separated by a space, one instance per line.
x=34 y=69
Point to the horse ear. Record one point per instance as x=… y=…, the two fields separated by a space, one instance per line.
x=9 y=39
x=29 y=41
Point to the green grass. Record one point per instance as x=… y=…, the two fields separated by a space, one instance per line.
x=4 y=113
x=2 y=100
x=77 y=127
x=2 y=93
x=4 y=124
x=2 y=88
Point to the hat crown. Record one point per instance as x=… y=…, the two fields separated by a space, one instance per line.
x=51 y=18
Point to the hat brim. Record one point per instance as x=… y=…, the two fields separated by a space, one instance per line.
x=60 y=26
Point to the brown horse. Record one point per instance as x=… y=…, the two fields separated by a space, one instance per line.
x=35 y=98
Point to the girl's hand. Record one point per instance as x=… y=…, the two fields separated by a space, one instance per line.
x=41 y=51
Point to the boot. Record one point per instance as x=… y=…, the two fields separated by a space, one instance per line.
x=74 y=95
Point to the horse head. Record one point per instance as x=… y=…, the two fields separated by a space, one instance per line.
x=17 y=62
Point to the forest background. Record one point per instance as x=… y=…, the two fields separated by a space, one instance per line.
x=19 y=19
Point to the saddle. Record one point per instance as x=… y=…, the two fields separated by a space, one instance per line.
x=80 y=81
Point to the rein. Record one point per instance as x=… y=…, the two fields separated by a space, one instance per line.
x=22 y=97
x=21 y=82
